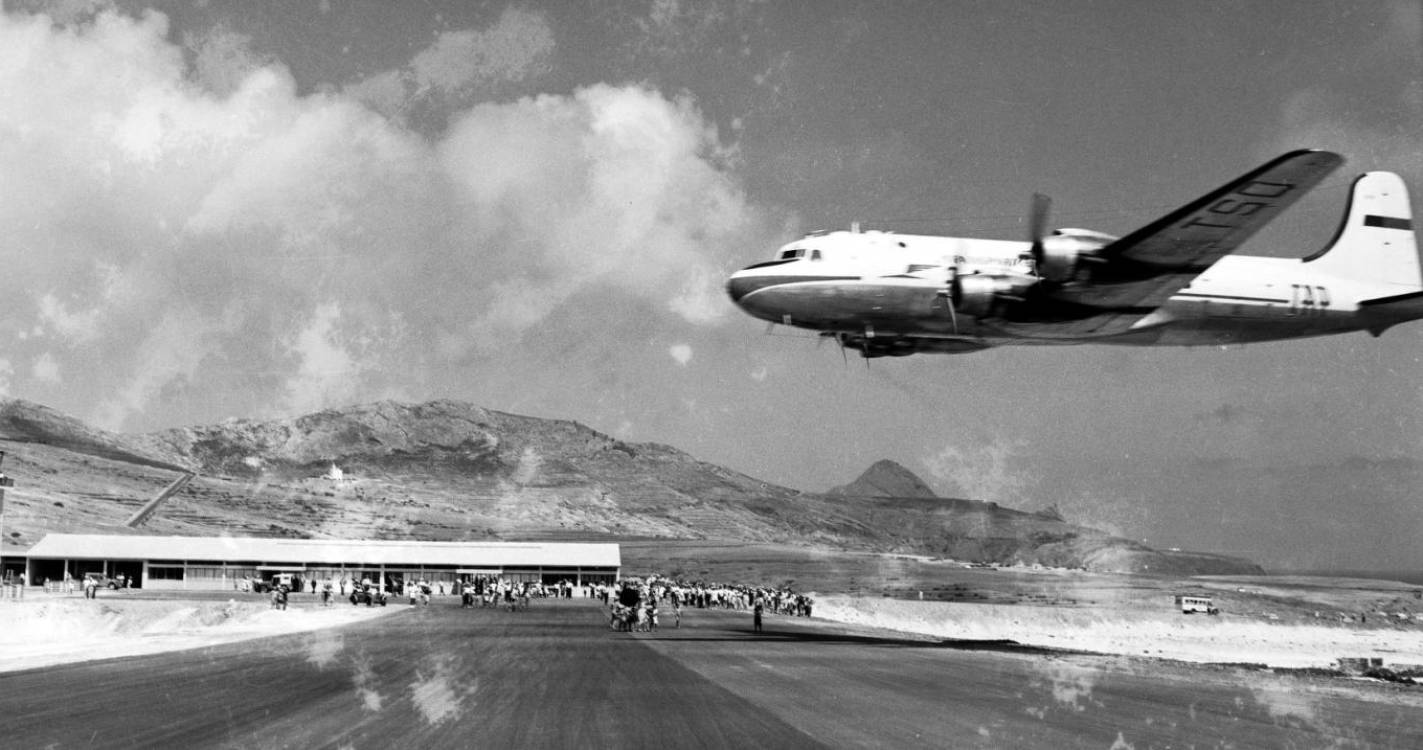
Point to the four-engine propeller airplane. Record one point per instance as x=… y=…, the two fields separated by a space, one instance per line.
x=1171 y=282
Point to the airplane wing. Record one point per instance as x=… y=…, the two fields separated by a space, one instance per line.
x=1139 y=272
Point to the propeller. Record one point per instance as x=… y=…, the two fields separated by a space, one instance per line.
x=946 y=295
x=1037 y=225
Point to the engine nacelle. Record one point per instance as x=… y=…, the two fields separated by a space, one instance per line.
x=975 y=294
x=870 y=348
x=1057 y=256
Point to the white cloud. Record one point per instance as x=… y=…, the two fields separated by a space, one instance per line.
x=223 y=59
x=46 y=368
x=327 y=373
x=210 y=239
x=71 y=11
x=462 y=63
x=682 y=353
x=76 y=327
x=386 y=92
x=170 y=353
x=700 y=299
x=989 y=471
x=614 y=186
x=517 y=45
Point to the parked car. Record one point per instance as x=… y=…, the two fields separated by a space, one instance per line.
x=271 y=584
x=368 y=595
x=101 y=580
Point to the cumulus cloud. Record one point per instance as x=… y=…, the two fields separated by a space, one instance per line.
x=462 y=64
x=327 y=372
x=516 y=46
x=682 y=353
x=990 y=472
x=613 y=187
x=168 y=355
x=223 y=59
x=46 y=368
x=190 y=239
x=55 y=316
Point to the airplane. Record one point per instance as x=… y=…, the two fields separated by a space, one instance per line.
x=1173 y=282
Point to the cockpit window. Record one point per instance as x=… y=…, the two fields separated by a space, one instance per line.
x=792 y=252
x=815 y=255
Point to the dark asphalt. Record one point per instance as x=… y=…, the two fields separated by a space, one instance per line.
x=555 y=676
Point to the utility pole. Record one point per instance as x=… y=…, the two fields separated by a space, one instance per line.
x=4 y=482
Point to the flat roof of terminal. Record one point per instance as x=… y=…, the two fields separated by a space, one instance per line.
x=327 y=551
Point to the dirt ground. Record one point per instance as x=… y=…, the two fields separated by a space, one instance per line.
x=1277 y=621
x=48 y=629
x=1274 y=621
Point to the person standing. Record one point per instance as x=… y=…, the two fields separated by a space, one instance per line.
x=756 y=614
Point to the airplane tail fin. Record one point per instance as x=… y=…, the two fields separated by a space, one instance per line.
x=1375 y=244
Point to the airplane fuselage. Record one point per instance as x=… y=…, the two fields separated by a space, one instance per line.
x=889 y=285
x=890 y=294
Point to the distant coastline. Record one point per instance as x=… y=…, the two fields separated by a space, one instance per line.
x=1414 y=577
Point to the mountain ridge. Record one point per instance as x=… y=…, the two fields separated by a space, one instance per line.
x=450 y=470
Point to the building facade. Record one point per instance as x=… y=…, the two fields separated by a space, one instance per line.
x=225 y=563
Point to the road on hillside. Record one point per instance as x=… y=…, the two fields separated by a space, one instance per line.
x=555 y=676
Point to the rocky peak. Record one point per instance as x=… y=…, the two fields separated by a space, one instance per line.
x=885 y=479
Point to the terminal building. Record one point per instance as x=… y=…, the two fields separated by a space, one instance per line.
x=224 y=563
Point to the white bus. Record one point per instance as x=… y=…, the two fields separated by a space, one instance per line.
x=1191 y=604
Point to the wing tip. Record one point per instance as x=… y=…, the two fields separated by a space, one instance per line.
x=1321 y=157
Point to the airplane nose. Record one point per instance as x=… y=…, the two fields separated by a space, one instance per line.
x=739 y=286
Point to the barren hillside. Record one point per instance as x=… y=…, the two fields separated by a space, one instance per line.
x=447 y=470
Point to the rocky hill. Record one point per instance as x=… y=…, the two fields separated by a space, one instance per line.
x=448 y=470
x=885 y=478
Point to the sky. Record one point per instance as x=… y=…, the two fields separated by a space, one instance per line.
x=262 y=209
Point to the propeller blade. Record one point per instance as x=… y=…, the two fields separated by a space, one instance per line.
x=1037 y=217
x=1037 y=226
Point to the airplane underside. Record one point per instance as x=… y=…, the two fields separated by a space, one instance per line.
x=894 y=344
x=892 y=320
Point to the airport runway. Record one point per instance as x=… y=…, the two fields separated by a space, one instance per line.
x=555 y=676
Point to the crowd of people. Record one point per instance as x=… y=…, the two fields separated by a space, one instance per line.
x=637 y=605
x=633 y=604
x=474 y=591
x=494 y=591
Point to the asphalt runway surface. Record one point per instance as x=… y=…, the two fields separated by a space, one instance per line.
x=556 y=676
